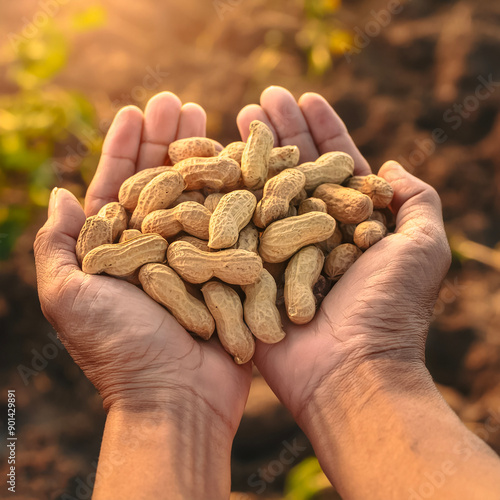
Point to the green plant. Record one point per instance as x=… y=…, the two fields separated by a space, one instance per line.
x=46 y=131
x=306 y=481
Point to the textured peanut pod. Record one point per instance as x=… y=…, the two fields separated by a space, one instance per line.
x=118 y=217
x=236 y=267
x=301 y=275
x=292 y=211
x=196 y=196
x=95 y=232
x=255 y=159
x=368 y=233
x=196 y=242
x=285 y=237
x=377 y=188
x=278 y=193
x=331 y=168
x=261 y=314
x=192 y=147
x=340 y=259
x=234 y=211
x=347 y=231
x=129 y=234
x=189 y=216
x=159 y=193
x=332 y=242
x=164 y=286
x=132 y=187
x=212 y=200
x=312 y=205
x=379 y=216
x=248 y=239
x=345 y=204
x=122 y=259
x=213 y=174
x=297 y=200
x=225 y=305
x=234 y=151
x=282 y=158
x=321 y=289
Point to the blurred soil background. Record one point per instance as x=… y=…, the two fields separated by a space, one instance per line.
x=397 y=81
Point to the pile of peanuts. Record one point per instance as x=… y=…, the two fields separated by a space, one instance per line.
x=222 y=240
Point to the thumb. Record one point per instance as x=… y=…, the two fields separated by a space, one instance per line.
x=56 y=241
x=418 y=211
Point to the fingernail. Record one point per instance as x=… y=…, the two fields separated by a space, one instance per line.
x=52 y=200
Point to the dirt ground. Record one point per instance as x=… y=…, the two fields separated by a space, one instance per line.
x=418 y=77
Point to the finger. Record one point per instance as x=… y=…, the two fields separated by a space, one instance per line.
x=118 y=159
x=247 y=115
x=192 y=122
x=161 y=120
x=55 y=242
x=289 y=122
x=418 y=209
x=329 y=131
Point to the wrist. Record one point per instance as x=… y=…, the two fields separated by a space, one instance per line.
x=183 y=450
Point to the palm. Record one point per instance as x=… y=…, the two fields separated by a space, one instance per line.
x=120 y=337
x=376 y=307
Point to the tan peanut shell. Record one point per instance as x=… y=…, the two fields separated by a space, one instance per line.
x=132 y=187
x=345 y=204
x=278 y=193
x=331 y=168
x=236 y=267
x=95 y=232
x=332 y=242
x=196 y=196
x=234 y=211
x=129 y=234
x=347 y=231
x=312 y=205
x=301 y=275
x=340 y=260
x=368 y=233
x=234 y=151
x=226 y=308
x=212 y=200
x=377 y=188
x=214 y=174
x=164 y=286
x=285 y=237
x=292 y=211
x=297 y=200
x=122 y=259
x=196 y=242
x=117 y=215
x=248 y=239
x=190 y=148
x=380 y=216
x=189 y=216
x=260 y=311
x=282 y=158
x=255 y=160
x=159 y=193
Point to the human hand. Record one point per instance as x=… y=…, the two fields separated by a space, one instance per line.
x=380 y=310
x=133 y=351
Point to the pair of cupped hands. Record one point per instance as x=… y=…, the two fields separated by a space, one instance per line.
x=140 y=359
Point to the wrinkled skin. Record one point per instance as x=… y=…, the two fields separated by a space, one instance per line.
x=130 y=347
x=382 y=307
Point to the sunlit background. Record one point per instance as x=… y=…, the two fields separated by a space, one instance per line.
x=419 y=83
